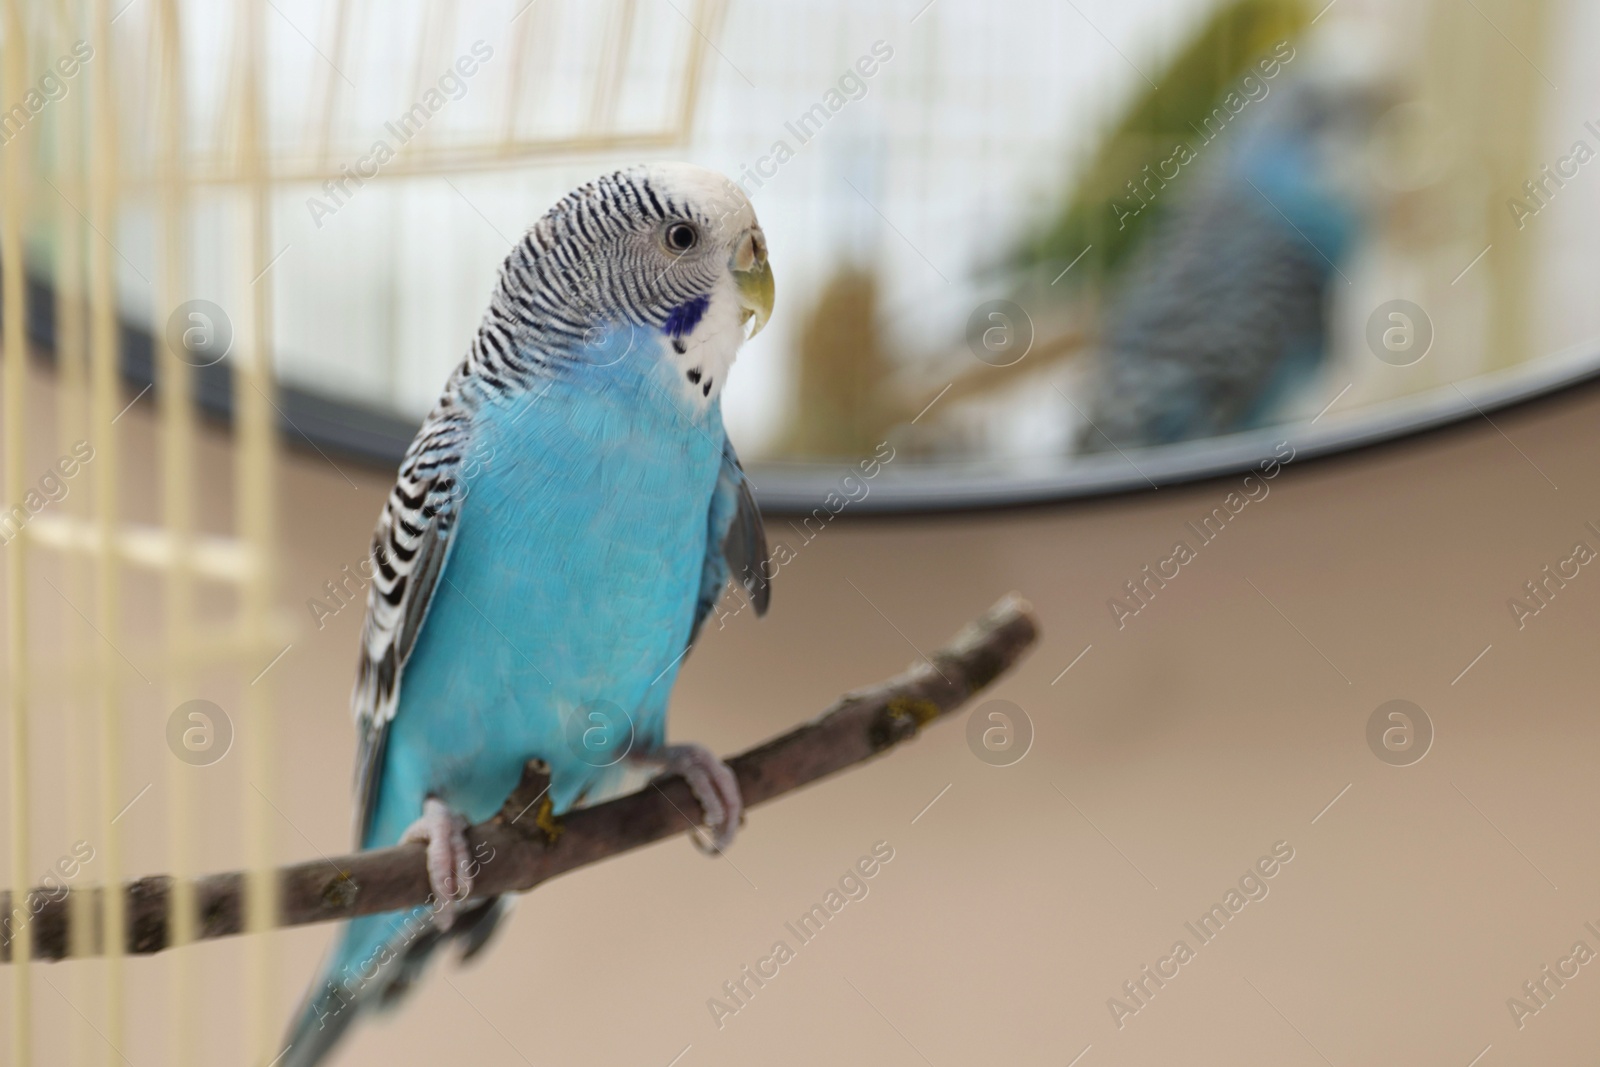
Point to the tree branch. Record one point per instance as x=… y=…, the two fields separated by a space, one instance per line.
x=529 y=846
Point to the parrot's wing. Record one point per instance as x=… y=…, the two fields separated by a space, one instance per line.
x=736 y=543
x=409 y=549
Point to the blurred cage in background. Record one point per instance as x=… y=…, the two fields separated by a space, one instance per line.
x=983 y=155
x=195 y=196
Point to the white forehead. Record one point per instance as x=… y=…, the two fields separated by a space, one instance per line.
x=707 y=192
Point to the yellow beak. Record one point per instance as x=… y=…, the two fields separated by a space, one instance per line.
x=754 y=282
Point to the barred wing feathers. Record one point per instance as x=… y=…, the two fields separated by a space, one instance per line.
x=409 y=549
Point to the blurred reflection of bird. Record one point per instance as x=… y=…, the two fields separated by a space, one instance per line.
x=1224 y=47
x=1220 y=319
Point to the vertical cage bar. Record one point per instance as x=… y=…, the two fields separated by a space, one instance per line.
x=176 y=379
x=16 y=368
x=331 y=78
x=708 y=15
x=71 y=422
x=254 y=428
x=615 y=45
x=104 y=381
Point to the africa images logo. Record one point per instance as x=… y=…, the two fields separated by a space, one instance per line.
x=1252 y=887
x=451 y=85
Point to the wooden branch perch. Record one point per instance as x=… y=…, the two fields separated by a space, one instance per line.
x=527 y=851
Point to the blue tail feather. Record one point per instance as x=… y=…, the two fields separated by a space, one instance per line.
x=376 y=962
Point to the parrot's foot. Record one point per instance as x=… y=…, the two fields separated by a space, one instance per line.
x=449 y=860
x=713 y=784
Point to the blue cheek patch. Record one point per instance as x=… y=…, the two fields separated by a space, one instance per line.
x=685 y=317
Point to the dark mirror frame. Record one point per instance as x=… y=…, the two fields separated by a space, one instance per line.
x=902 y=487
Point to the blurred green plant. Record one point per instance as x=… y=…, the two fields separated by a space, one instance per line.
x=1189 y=86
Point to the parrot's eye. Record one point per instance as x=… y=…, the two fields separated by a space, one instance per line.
x=682 y=236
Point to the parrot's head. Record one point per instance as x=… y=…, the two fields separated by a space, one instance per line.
x=662 y=265
x=1309 y=153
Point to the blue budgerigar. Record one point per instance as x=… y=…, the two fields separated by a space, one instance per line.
x=562 y=524
x=1222 y=317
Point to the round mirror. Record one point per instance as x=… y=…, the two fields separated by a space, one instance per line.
x=1022 y=253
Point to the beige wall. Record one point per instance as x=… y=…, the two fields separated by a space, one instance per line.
x=1221 y=720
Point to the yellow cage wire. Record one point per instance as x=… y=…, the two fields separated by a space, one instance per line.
x=74 y=186
x=94 y=540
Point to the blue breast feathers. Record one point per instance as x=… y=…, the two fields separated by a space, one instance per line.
x=572 y=583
